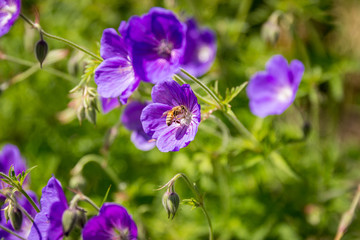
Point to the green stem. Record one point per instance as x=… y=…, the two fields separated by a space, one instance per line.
x=99 y=160
x=205 y=88
x=198 y=197
x=88 y=200
x=74 y=45
x=20 y=189
x=11 y=232
x=239 y=126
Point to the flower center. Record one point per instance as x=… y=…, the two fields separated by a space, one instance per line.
x=120 y=234
x=179 y=114
x=284 y=94
x=164 y=49
x=204 y=53
x=9 y=10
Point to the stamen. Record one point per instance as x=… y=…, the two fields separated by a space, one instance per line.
x=164 y=49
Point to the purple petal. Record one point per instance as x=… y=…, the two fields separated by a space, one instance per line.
x=131 y=115
x=115 y=77
x=153 y=119
x=169 y=93
x=53 y=204
x=277 y=66
x=200 y=49
x=112 y=45
x=112 y=219
x=9 y=12
x=108 y=104
x=175 y=137
x=10 y=155
x=141 y=140
x=297 y=71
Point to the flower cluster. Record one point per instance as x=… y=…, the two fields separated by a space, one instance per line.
x=152 y=48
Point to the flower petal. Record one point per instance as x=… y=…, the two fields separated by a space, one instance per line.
x=277 y=66
x=297 y=71
x=169 y=93
x=112 y=45
x=108 y=104
x=131 y=115
x=115 y=77
x=9 y=12
x=141 y=140
x=153 y=119
x=96 y=229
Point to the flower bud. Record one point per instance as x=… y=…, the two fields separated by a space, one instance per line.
x=81 y=217
x=77 y=182
x=41 y=51
x=91 y=114
x=171 y=201
x=270 y=32
x=16 y=217
x=69 y=219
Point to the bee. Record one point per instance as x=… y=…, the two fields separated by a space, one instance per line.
x=174 y=114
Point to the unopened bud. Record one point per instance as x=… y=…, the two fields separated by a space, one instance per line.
x=270 y=32
x=69 y=219
x=16 y=217
x=91 y=114
x=80 y=112
x=81 y=217
x=41 y=51
x=171 y=203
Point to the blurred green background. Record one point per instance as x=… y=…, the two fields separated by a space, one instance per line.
x=298 y=192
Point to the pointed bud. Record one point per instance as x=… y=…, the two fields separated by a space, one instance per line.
x=16 y=217
x=80 y=112
x=91 y=115
x=41 y=51
x=171 y=203
x=69 y=219
x=270 y=31
x=81 y=217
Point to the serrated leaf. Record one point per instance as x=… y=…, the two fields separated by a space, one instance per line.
x=233 y=92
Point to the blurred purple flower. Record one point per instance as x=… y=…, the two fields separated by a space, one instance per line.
x=273 y=91
x=156 y=41
x=200 y=49
x=108 y=104
x=10 y=156
x=173 y=118
x=48 y=222
x=113 y=222
x=131 y=120
x=26 y=223
x=115 y=76
x=9 y=12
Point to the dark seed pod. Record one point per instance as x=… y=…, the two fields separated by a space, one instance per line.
x=41 y=51
x=16 y=217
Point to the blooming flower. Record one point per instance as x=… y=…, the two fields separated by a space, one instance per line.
x=173 y=117
x=200 y=49
x=9 y=12
x=115 y=76
x=48 y=222
x=131 y=120
x=156 y=41
x=26 y=223
x=108 y=104
x=113 y=222
x=273 y=91
x=10 y=156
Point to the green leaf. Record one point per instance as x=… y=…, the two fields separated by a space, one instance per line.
x=233 y=92
x=282 y=165
x=191 y=202
x=106 y=195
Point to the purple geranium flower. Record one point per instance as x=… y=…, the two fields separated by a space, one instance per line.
x=108 y=104
x=273 y=91
x=131 y=120
x=48 y=222
x=200 y=50
x=173 y=118
x=113 y=222
x=115 y=76
x=9 y=12
x=156 y=41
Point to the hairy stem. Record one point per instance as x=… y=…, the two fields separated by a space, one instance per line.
x=11 y=232
x=74 y=45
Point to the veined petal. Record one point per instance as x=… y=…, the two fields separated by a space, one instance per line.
x=153 y=119
x=169 y=93
x=114 y=77
x=112 y=45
